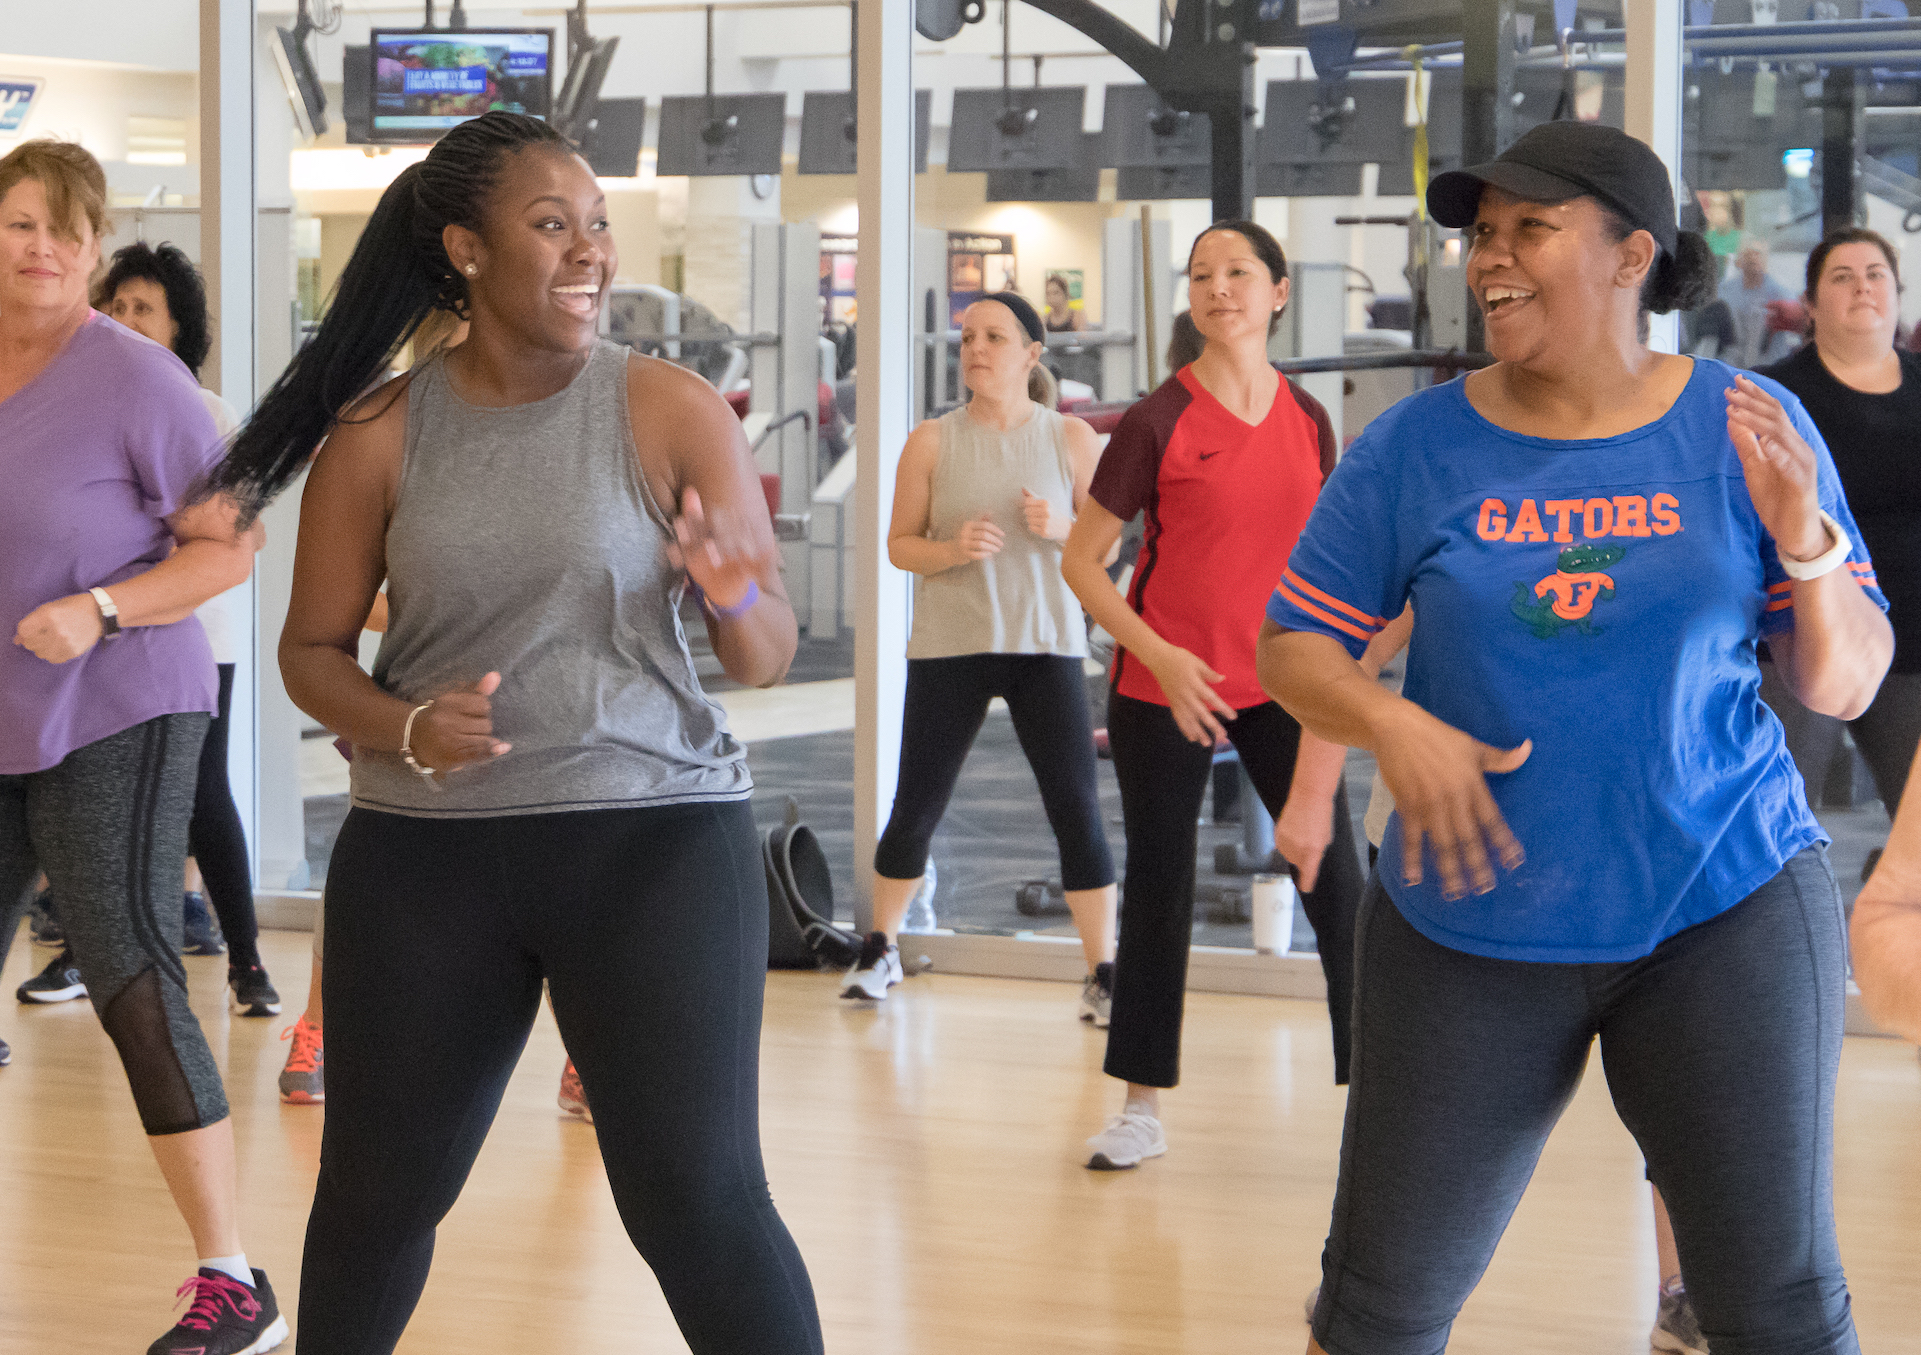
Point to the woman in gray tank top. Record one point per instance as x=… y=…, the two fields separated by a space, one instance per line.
x=983 y=499
x=540 y=788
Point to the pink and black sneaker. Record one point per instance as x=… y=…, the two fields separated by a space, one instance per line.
x=225 y=1317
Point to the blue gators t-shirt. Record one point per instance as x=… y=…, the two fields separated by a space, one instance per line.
x=1601 y=597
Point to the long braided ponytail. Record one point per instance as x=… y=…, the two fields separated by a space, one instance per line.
x=399 y=273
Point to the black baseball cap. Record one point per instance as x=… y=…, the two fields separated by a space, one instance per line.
x=1560 y=160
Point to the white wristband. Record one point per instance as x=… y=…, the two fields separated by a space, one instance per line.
x=1825 y=563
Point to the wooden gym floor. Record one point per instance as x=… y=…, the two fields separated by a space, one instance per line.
x=927 y=1157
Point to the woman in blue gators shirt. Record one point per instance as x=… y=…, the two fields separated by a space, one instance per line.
x=1601 y=831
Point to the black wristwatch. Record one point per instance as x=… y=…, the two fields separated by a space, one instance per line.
x=109 y=614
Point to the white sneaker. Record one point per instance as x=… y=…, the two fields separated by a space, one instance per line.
x=1129 y=1140
x=1097 y=995
x=877 y=970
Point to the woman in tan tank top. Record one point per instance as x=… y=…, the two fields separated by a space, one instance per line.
x=982 y=500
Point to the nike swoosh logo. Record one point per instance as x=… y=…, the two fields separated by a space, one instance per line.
x=1206 y=455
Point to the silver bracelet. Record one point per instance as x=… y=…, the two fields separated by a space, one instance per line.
x=407 y=747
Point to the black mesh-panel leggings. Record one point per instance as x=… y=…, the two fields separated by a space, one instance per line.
x=109 y=827
x=219 y=844
x=650 y=928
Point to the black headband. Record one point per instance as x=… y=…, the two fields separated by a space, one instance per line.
x=1024 y=312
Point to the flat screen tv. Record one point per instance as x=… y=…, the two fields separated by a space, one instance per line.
x=1141 y=131
x=1080 y=182
x=1337 y=122
x=722 y=135
x=1016 y=129
x=611 y=141
x=827 y=119
x=357 y=94
x=1140 y=183
x=426 y=81
x=301 y=80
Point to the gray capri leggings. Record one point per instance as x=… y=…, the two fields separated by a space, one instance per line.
x=109 y=827
x=1721 y=1049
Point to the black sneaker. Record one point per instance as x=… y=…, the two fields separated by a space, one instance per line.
x=253 y=993
x=200 y=934
x=58 y=982
x=225 y=1317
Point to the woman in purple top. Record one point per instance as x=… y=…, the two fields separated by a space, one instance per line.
x=106 y=548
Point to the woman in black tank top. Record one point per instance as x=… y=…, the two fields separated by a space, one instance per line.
x=648 y=921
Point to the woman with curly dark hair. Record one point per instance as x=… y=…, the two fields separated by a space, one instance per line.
x=157 y=292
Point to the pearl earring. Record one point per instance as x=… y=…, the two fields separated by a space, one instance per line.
x=470 y=270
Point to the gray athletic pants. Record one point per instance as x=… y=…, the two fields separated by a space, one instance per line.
x=1721 y=1049
x=109 y=827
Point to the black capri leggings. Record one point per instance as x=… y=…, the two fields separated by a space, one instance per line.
x=946 y=702
x=1720 y=1048
x=1887 y=733
x=650 y=928
x=109 y=827
x=1163 y=776
x=217 y=842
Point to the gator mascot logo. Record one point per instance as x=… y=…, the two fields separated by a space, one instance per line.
x=1567 y=596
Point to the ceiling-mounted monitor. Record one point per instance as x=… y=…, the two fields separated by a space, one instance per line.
x=357 y=95
x=612 y=140
x=1347 y=122
x=827 y=131
x=580 y=93
x=426 y=81
x=1143 y=183
x=300 y=77
x=1016 y=129
x=1142 y=131
x=707 y=136
x=1080 y=182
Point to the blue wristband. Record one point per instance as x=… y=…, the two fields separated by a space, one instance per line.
x=740 y=608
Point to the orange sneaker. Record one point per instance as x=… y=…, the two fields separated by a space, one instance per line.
x=572 y=1098
x=303 y=1080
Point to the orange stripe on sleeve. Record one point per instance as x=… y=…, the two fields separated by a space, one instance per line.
x=1376 y=622
x=1321 y=614
x=1782 y=605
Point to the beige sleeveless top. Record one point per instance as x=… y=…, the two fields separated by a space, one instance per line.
x=1015 y=602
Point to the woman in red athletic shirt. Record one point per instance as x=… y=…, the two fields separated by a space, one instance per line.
x=1225 y=459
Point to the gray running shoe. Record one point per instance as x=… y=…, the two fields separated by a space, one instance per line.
x=1097 y=995
x=1676 y=1329
x=1129 y=1140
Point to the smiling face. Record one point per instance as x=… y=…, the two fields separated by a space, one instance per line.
x=1856 y=295
x=543 y=257
x=995 y=353
x=141 y=305
x=1230 y=294
x=42 y=266
x=1548 y=277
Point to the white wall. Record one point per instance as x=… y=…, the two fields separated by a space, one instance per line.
x=90 y=102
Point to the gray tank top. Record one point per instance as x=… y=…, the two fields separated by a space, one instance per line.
x=525 y=540
x=1015 y=602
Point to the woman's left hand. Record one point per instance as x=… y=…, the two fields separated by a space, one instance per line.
x=721 y=559
x=1780 y=469
x=61 y=630
x=1041 y=518
x=1302 y=835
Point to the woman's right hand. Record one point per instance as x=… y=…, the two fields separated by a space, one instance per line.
x=1188 y=684
x=457 y=729
x=977 y=539
x=1438 y=777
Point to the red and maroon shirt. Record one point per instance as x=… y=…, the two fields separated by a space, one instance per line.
x=1225 y=501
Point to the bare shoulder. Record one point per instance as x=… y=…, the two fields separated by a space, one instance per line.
x=371 y=435
x=1079 y=433
x=665 y=389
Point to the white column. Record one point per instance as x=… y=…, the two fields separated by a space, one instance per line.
x=1654 y=107
x=885 y=364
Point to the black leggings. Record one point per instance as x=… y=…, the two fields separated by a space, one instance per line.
x=1720 y=1049
x=109 y=827
x=217 y=842
x=650 y=928
x=945 y=704
x=1163 y=776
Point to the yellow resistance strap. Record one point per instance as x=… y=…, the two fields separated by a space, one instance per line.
x=1420 y=136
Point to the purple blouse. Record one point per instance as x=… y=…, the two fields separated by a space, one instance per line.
x=95 y=453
